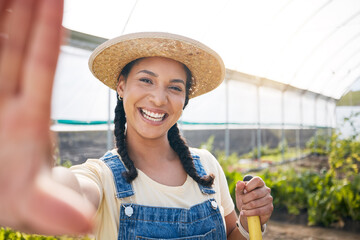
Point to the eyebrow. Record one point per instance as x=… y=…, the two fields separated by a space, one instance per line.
x=156 y=75
x=178 y=81
x=148 y=72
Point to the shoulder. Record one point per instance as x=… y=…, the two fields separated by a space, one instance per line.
x=201 y=152
x=95 y=166
x=208 y=160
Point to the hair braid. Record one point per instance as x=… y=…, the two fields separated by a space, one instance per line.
x=180 y=147
x=119 y=132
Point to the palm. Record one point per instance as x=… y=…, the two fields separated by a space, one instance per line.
x=30 y=35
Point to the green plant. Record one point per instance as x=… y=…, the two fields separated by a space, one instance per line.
x=290 y=189
x=344 y=158
x=232 y=178
x=325 y=198
x=319 y=143
x=7 y=234
x=229 y=163
x=208 y=145
x=10 y=234
x=66 y=164
x=282 y=146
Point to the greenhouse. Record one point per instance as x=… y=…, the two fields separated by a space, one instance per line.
x=287 y=64
x=287 y=113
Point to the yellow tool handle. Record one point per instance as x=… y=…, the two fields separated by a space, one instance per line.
x=254 y=228
x=253 y=221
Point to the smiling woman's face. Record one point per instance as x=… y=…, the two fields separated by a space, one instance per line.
x=153 y=96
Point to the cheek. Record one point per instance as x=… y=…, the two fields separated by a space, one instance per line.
x=179 y=106
x=128 y=106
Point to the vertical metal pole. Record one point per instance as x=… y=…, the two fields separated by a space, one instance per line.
x=301 y=121
x=253 y=141
x=282 y=126
x=109 y=144
x=297 y=133
x=227 y=133
x=315 y=123
x=258 y=123
x=327 y=125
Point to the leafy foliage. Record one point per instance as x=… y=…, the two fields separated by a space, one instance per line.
x=9 y=234
x=328 y=196
x=320 y=143
x=344 y=157
x=325 y=198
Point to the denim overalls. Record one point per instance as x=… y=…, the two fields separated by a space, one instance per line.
x=201 y=221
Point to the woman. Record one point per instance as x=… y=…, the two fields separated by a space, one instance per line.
x=152 y=185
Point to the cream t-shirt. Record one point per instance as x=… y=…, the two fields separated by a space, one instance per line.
x=151 y=193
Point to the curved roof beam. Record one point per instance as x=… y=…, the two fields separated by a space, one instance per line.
x=303 y=25
x=342 y=83
x=322 y=41
x=340 y=67
x=335 y=53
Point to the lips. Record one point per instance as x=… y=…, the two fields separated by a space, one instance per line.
x=152 y=116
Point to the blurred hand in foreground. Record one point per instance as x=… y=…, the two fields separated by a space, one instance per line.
x=30 y=36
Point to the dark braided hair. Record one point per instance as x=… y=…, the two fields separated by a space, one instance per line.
x=181 y=148
x=176 y=141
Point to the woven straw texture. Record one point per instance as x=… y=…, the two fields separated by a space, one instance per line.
x=206 y=66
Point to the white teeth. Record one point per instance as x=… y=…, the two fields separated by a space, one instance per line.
x=153 y=116
x=152 y=119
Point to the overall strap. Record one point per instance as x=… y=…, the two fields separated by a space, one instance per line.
x=123 y=188
x=200 y=170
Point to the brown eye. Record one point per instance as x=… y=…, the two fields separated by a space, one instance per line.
x=176 y=88
x=146 y=80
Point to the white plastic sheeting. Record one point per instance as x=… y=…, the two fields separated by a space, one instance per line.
x=242 y=105
x=313 y=45
x=79 y=98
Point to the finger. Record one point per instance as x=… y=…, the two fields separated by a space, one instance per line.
x=254 y=183
x=257 y=203
x=240 y=186
x=256 y=194
x=42 y=56
x=261 y=211
x=17 y=28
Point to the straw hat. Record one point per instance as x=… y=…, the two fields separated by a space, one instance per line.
x=206 y=66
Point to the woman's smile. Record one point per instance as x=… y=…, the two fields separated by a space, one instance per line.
x=156 y=117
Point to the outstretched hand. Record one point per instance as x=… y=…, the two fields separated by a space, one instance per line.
x=30 y=36
x=253 y=198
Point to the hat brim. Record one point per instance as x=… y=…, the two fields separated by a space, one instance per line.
x=206 y=66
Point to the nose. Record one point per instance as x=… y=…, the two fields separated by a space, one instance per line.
x=159 y=97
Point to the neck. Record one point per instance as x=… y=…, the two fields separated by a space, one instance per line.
x=149 y=151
